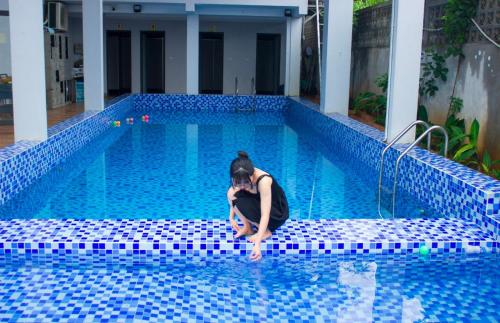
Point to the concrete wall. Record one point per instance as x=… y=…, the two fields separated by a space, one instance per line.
x=477 y=84
x=240 y=39
x=366 y=65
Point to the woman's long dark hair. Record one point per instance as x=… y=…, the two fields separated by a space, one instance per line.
x=241 y=169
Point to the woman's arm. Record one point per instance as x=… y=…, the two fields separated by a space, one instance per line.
x=265 y=206
x=265 y=214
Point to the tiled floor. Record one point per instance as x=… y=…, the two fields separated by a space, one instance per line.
x=53 y=116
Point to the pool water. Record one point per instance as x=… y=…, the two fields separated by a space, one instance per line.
x=319 y=288
x=177 y=167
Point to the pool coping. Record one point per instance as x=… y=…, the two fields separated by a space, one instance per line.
x=445 y=235
x=214 y=237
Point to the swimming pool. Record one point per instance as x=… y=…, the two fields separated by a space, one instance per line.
x=285 y=288
x=138 y=221
x=176 y=167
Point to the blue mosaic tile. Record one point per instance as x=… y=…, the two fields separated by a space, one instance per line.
x=24 y=162
x=444 y=185
x=28 y=161
x=205 y=102
x=70 y=122
x=215 y=237
x=17 y=148
x=308 y=288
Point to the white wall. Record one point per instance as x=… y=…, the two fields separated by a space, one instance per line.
x=240 y=41
x=240 y=50
x=175 y=49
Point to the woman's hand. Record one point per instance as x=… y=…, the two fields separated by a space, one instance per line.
x=234 y=225
x=256 y=254
x=255 y=238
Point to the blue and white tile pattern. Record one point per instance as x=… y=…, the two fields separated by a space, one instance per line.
x=213 y=237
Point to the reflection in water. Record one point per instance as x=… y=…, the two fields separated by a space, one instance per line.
x=359 y=282
x=412 y=310
x=279 y=288
x=192 y=168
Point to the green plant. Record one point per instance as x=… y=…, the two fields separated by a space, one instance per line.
x=454 y=126
x=361 y=101
x=382 y=82
x=433 y=69
x=422 y=113
x=371 y=103
x=486 y=165
x=468 y=152
x=423 y=116
x=456 y=23
x=456 y=105
x=362 y=4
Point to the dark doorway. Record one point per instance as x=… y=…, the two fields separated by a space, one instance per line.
x=119 y=64
x=153 y=62
x=211 y=63
x=267 y=73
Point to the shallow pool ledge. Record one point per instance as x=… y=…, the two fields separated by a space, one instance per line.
x=214 y=237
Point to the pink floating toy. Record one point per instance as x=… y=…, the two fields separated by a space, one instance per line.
x=145 y=118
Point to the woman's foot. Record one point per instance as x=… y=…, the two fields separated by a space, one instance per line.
x=245 y=231
x=266 y=235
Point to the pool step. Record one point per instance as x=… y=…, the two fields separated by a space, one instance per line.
x=212 y=237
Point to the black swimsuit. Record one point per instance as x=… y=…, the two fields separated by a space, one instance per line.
x=249 y=205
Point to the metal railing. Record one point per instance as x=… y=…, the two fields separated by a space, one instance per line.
x=393 y=142
x=252 y=100
x=253 y=104
x=416 y=142
x=236 y=92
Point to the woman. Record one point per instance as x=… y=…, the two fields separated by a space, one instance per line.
x=256 y=198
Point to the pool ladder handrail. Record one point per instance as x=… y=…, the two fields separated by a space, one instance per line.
x=236 y=92
x=405 y=152
x=253 y=106
x=393 y=142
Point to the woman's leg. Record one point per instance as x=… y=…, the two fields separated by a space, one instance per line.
x=247 y=225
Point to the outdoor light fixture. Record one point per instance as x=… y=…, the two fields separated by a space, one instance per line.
x=288 y=12
x=137 y=8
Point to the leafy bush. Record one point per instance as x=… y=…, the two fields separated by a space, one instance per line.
x=371 y=103
x=433 y=69
x=456 y=23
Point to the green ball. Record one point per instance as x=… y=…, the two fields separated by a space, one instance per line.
x=424 y=250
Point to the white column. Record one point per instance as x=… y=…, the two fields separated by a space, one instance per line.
x=293 y=53
x=28 y=69
x=193 y=39
x=404 y=67
x=93 y=62
x=136 y=60
x=336 y=56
